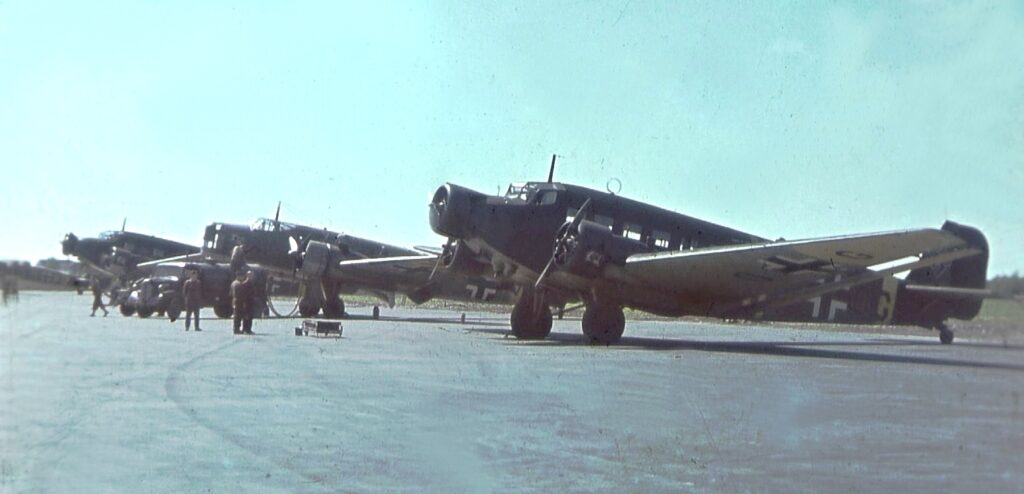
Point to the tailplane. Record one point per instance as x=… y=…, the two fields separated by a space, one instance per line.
x=951 y=290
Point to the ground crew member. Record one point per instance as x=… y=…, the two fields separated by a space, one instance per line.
x=97 y=297
x=192 y=292
x=242 y=302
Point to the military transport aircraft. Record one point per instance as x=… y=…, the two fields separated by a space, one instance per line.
x=328 y=264
x=40 y=277
x=116 y=254
x=559 y=241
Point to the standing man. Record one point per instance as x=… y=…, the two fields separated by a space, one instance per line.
x=242 y=302
x=192 y=291
x=97 y=297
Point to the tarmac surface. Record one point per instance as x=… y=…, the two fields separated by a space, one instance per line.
x=426 y=404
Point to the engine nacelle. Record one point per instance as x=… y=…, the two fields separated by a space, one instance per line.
x=587 y=249
x=70 y=244
x=422 y=294
x=124 y=258
x=317 y=258
x=451 y=208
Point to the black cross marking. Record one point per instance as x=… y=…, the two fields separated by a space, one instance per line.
x=790 y=266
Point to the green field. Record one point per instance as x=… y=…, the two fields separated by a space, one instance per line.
x=1002 y=310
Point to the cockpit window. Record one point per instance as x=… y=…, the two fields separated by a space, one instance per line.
x=108 y=235
x=269 y=225
x=546 y=197
x=519 y=192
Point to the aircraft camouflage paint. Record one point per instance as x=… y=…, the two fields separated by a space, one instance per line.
x=561 y=242
x=117 y=254
x=329 y=264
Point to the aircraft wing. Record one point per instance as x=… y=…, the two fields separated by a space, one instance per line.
x=778 y=273
x=145 y=266
x=389 y=270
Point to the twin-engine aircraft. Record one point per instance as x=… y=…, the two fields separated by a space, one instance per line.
x=562 y=242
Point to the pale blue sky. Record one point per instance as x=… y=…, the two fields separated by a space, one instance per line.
x=793 y=119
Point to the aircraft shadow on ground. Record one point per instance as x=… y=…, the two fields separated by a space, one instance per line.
x=811 y=349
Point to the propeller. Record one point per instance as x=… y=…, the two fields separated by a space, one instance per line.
x=446 y=250
x=562 y=241
x=295 y=254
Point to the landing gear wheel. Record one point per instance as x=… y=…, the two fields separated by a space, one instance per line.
x=603 y=324
x=945 y=335
x=145 y=312
x=308 y=310
x=376 y=312
x=127 y=310
x=334 y=309
x=222 y=311
x=526 y=325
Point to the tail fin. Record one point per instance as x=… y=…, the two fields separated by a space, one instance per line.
x=969 y=272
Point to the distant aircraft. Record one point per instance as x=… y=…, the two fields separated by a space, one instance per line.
x=116 y=254
x=559 y=241
x=41 y=278
x=328 y=264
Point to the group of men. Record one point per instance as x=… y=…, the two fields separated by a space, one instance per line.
x=243 y=299
x=243 y=295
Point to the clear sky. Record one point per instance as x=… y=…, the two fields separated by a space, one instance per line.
x=794 y=119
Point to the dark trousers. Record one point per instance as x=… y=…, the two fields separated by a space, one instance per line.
x=190 y=311
x=243 y=319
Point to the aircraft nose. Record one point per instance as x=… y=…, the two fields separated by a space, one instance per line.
x=69 y=243
x=450 y=210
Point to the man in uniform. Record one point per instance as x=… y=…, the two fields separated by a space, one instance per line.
x=97 y=297
x=192 y=292
x=242 y=302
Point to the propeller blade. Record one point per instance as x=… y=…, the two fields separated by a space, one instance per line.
x=544 y=273
x=580 y=216
x=444 y=250
x=434 y=271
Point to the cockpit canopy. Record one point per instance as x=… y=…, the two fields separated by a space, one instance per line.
x=269 y=225
x=532 y=192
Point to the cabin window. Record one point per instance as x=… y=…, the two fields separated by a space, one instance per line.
x=546 y=197
x=632 y=231
x=661 y=239
x=604 y=220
